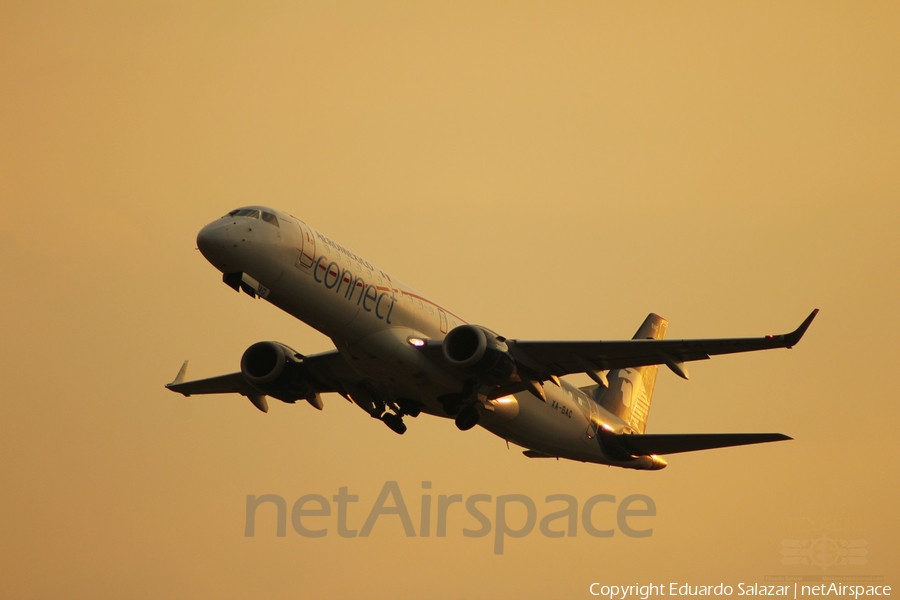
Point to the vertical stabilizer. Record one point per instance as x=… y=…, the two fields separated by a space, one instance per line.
x=631 y=390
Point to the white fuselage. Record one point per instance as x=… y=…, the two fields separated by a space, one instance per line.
x=371 y=316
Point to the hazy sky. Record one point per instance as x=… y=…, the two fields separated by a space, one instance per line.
x=550 y=170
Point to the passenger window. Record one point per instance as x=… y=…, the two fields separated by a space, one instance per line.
x=270 y=218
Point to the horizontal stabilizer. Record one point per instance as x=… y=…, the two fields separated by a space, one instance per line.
x=672 y=443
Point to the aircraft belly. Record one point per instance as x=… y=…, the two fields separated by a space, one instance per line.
x=553 y=427
x=387 y=359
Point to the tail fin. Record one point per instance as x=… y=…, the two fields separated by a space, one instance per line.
x=631 y=390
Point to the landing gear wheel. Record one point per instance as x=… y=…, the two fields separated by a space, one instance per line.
x=394 y=422
x=468 y=417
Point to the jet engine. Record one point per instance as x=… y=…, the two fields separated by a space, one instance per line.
x=481 y=353
x=278 y=371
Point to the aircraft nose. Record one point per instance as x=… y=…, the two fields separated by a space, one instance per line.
x=212 y=243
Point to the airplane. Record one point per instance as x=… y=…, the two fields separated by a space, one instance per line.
x=399 y=354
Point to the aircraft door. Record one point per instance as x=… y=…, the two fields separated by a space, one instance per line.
x=307 y=248
x=592 y=412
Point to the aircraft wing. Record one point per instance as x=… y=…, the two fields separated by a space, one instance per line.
x=672 y=443
x=324 y=372
x=223 y=384
x=548 y=358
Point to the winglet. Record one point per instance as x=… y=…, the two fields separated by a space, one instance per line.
x=182 y=373
x=794 y=337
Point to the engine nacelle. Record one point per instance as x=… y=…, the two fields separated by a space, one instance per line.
x=275 y=370
x=265 y=362
x=480 y=353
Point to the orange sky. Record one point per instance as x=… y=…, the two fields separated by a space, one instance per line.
x=551 y=170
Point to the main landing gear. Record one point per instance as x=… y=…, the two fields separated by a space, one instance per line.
x=463 y=406
x=401 y=408
x=468 y=417
x=394 y=422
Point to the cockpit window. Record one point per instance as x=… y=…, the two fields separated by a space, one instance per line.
x=270 y=218
x=250 y=213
